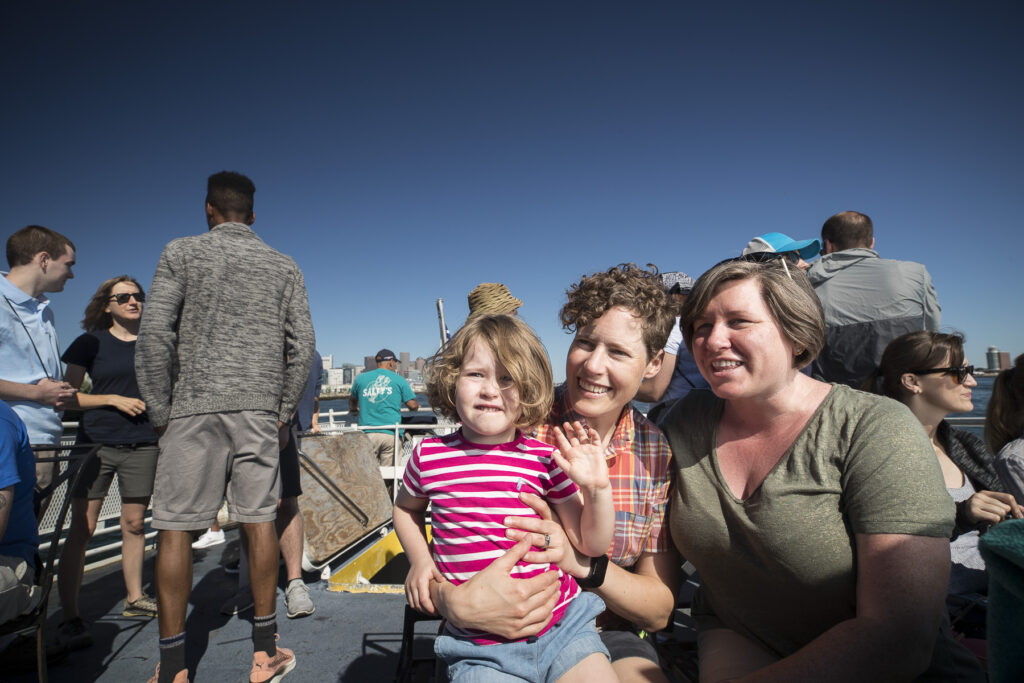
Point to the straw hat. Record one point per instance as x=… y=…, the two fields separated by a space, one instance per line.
x=492 y=297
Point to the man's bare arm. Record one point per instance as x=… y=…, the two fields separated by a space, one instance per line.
x=48 y=392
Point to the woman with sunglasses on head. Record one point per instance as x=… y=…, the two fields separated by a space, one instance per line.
x=114 y=415
x=821 y=556
x=927 y=372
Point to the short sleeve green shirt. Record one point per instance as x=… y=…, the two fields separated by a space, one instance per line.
x=779 y=567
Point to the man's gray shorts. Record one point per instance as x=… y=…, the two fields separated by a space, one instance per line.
x=202 y=456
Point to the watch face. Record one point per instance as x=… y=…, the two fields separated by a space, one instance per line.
x=598 y=567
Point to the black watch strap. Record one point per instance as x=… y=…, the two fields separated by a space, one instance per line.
x=598 y=567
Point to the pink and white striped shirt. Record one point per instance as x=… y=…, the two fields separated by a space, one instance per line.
x=472 y=488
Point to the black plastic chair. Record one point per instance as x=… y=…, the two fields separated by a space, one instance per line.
x=407 y=663
x=75 y=457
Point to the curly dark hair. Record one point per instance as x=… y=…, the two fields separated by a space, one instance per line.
x=627 y=286
x=96 y=318
x=515 y=346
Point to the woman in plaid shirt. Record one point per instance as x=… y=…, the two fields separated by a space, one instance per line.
x=622 y=318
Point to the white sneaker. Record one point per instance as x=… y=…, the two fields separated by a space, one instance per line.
x=209 y=539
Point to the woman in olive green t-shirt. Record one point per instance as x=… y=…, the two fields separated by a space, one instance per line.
x=815 y=514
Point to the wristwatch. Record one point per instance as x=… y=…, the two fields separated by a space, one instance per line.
x=598 y=567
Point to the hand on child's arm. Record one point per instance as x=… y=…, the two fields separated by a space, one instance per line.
x=581 y=457
x=417 y=586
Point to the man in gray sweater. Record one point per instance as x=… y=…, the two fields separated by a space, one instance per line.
x=222 y=358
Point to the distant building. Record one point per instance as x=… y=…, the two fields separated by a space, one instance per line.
x=421 y=364
x=335 y=378
x=328 y=360
x=403 y=363
x=370 y=362
x=1004 y=360
x=349 y=372
x=992 y=356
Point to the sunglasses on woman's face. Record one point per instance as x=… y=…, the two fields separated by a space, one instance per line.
x=961 y=372
x=124 y=297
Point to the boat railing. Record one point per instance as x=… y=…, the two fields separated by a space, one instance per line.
x=105 y=547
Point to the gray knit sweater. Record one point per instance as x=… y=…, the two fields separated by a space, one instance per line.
x=224 y=313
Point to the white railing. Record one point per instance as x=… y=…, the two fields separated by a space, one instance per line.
x=101 y=555
x=110 y=512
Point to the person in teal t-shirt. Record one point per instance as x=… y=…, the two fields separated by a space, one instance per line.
x=378 y=395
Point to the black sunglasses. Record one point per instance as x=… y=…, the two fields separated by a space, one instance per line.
x=960 y=372
x=767 y=257
x=124 y=297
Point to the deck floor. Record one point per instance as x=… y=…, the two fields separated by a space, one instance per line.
x=350 y=637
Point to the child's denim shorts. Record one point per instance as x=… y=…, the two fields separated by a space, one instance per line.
x=546 y=658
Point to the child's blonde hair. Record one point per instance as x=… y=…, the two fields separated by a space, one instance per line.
x=515 y=346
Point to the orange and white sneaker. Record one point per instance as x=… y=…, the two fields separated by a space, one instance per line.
x=271 y=669
x=180 y=677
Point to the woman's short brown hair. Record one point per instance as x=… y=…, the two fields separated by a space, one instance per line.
x=921 y=350
x=785 y=291
x=515 y=346
x=96 y=316
x=625 y=285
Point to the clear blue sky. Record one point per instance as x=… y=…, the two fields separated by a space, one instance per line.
x=407 y=151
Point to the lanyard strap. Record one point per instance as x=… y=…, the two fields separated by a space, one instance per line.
x=32 y=341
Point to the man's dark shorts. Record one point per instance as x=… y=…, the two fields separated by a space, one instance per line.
x=291 y=482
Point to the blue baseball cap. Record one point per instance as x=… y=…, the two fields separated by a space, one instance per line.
x=778 y=243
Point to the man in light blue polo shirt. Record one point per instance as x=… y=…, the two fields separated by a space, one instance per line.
x=31 y=378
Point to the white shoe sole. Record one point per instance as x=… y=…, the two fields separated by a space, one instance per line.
x=301 y=613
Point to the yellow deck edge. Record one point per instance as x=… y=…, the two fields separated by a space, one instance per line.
x=353 y=577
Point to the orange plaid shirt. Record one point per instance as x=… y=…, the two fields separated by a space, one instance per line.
x=640 y=469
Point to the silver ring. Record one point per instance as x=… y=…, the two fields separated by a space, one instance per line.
x=547 y=540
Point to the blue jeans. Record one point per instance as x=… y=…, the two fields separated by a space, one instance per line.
x=546 y=659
